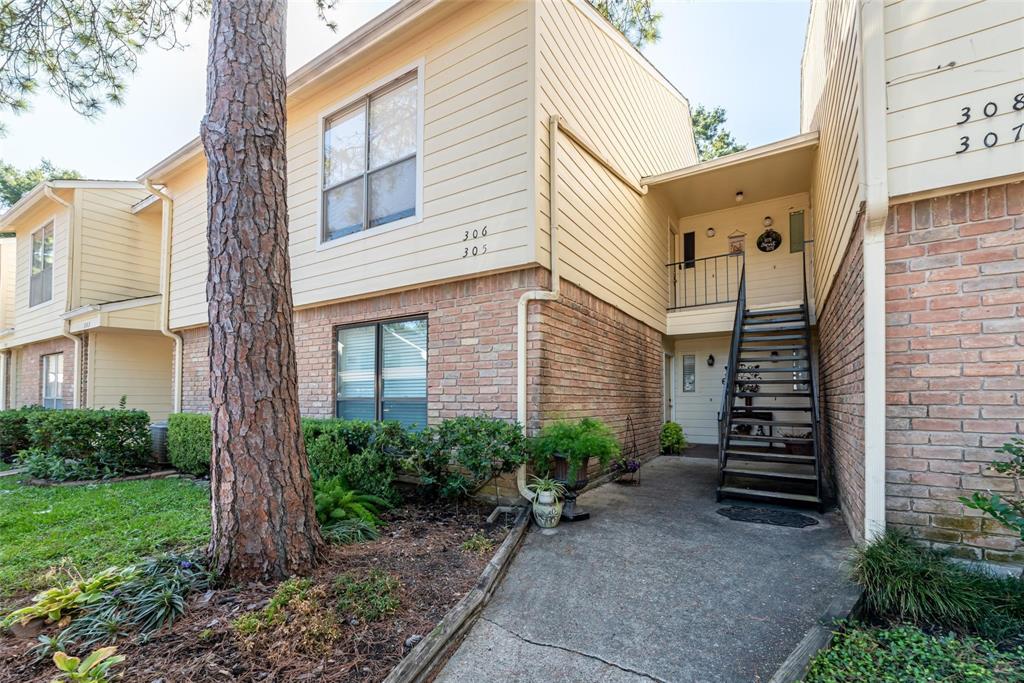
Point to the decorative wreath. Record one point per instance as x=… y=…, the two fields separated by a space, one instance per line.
x=769 y=240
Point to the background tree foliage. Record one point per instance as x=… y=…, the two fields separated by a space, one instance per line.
x=15 y=182
x=635 y=18
x=713 y=140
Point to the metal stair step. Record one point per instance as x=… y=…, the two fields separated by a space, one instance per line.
x=734 y=436
x=773 y=381
x=762 y=394
x=774 y=359
x=758 y=456
x=768 y=474
x=747 y=371
x=779 y=327
x=775 y=321
x=775 y=423
x=781 y=337
x=748 y=313
x=781 y=347
x=774 y=496
x=738 y=410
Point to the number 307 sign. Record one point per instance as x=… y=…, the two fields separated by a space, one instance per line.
x=992 y=137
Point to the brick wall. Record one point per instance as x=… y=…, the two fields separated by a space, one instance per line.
x=195 y=380
x=585 y=356
x=471 y=346
x=841 y=373
x=955 y=362
x=30 y=370
x=594 y=360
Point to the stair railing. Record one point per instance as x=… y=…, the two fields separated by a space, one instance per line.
x=725 y=412
x=812 y=377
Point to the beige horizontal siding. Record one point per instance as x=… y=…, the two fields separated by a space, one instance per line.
x=120 y=251
x=830 y=104
x=941 y=57
x=476 y=161
x=136 y=366
x=612 y=241
x=43 y=321
x=8 y=266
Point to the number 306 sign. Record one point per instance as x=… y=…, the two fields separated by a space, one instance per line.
x=992 y=137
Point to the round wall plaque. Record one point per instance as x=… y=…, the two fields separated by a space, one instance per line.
x=769 y=240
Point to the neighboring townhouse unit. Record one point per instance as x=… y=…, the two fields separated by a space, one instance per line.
x=418 y=160
x=80 y=299
x=918 y=201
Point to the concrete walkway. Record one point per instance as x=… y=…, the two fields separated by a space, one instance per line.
x=655 y=587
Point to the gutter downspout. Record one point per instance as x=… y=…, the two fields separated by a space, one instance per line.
x=166 y=226
x=66 y=326
x=555 y=124
x=873 y=116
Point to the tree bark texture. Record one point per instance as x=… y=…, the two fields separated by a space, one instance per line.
x=264 y=522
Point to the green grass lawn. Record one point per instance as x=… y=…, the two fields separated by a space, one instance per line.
x=94 y=527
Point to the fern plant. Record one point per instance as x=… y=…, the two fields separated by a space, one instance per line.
x=335 y=503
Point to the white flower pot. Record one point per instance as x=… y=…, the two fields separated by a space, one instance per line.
x=547 y=510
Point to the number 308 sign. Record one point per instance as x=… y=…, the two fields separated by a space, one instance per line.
x=992 y=137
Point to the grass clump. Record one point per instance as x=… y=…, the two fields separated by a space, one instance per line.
x=90 y=528
x=368 y=599
x=906 y=653
x=905 y=582
x=478 y=543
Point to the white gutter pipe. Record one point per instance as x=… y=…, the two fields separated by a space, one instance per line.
x=873 y=115
x=66 y=325
x=166 y=227
x=555 y=124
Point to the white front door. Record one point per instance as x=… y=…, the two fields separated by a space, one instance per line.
x=667 y=388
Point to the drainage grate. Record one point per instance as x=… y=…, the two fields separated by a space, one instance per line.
x=767 y=516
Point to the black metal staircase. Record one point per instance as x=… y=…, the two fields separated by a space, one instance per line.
x=768 y=447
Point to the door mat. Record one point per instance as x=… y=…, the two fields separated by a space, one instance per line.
x=767 y=516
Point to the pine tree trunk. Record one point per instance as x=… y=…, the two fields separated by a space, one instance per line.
x=264 y=523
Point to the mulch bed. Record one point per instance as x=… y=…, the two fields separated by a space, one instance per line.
x=421 y=546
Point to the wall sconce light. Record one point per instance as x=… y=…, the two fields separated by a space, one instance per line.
x=711 y=360
x=767 y=221
x=739 y=196
x=710 y=232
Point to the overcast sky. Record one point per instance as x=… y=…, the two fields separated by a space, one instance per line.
x=744 y=56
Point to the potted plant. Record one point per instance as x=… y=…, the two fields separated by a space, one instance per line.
x=798 y=448
x=673 y=441
x=627 y=469
x=563 y=452
x=547 y=501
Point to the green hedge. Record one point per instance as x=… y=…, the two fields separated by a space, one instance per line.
x=452 y=459
x=14 y=434
x=86 y=444
x=189 y=443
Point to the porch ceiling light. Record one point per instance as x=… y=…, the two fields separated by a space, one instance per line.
x=767 y=221
x=710 y=232
x=739 y=196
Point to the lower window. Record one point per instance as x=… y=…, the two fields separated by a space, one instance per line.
x=53 y=381
x=382 y=372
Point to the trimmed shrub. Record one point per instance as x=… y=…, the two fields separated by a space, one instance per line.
x=87 y=444
x=458 y=456
x=189 y=443
x=14 y=435
x=355 y=435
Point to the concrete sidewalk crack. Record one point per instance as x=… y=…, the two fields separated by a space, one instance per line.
x=575 y=652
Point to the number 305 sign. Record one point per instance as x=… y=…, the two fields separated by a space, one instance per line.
x=991 y=138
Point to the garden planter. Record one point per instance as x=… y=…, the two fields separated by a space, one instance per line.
x=547 y=510
x=570 y=513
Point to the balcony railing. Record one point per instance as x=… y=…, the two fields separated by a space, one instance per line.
x=705 y=281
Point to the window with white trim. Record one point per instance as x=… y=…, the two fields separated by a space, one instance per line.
x=369 y=160
x=53 y=381
x=40 y=289
x=382 y=372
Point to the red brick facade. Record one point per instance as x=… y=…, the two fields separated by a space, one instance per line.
x=585 y=356
x=594 y=360
x=28 y=383
x=955 y=361
x=841 y=372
